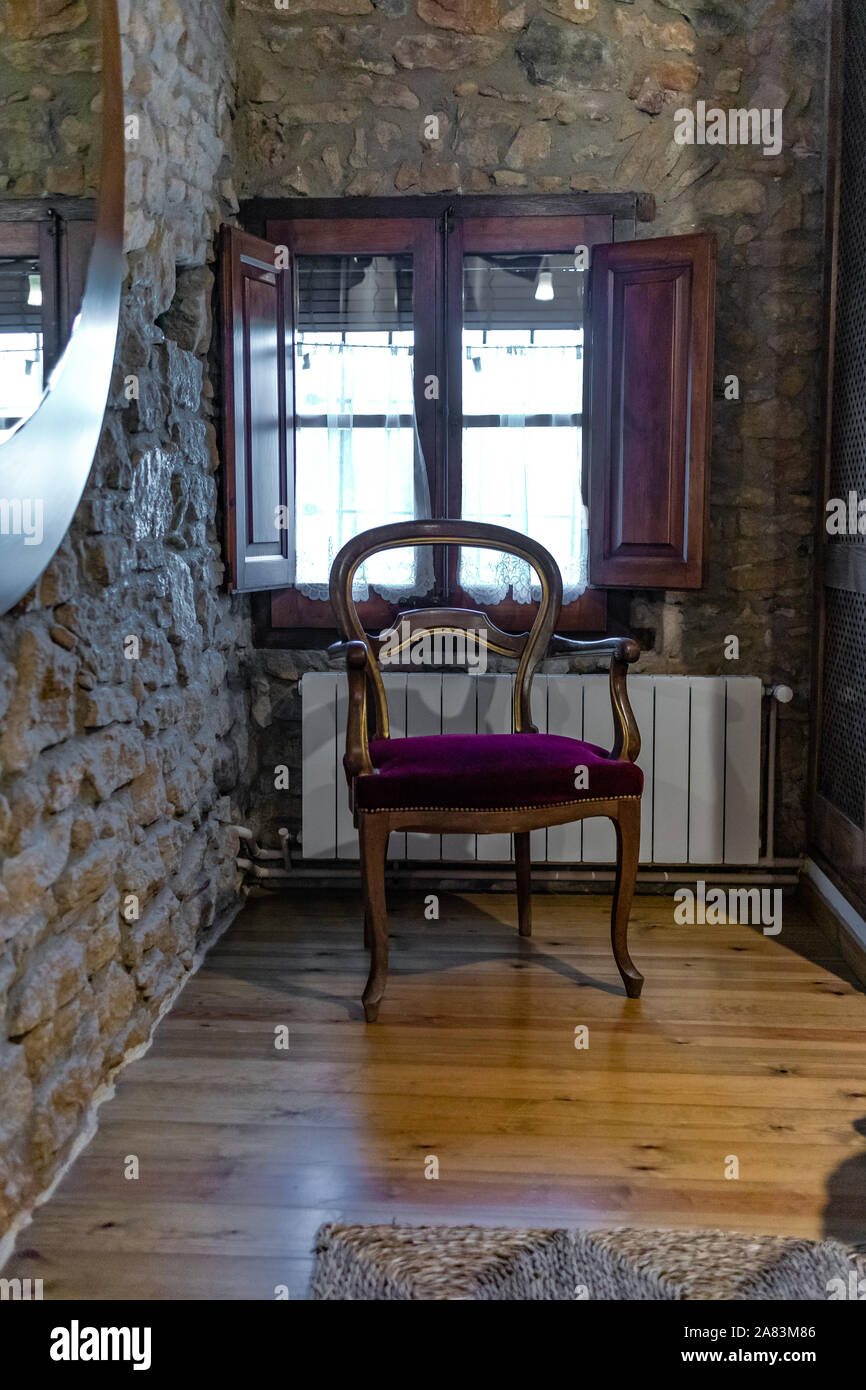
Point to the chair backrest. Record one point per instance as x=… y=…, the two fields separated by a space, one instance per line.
x=528 y=647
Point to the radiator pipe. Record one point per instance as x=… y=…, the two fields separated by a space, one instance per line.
x=256 y=852
x=274 y=875
x=779 y=695
x=285 y=848
x=784 y=872
x=258 y=871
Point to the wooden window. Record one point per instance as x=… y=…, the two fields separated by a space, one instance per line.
x=596 y=389
x=373 y=285
x=529 y=435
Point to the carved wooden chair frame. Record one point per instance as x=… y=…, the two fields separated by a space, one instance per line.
x=367 y=690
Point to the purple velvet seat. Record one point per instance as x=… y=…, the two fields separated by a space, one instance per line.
x=490 y=772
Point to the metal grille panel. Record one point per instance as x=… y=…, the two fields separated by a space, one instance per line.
x=848 y=457
x=842 y=749
x=842 y=768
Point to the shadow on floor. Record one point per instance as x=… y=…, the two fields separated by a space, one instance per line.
x=844 y=1216
x=410 y=945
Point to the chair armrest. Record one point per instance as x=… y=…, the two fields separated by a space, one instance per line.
x=623 y=652
x=357 y=761
x=623 y=648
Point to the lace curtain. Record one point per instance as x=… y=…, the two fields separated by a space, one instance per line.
x=357 y=466
x=521 y=474
x=356 y=461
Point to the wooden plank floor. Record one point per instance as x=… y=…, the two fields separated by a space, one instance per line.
x=743 y=1045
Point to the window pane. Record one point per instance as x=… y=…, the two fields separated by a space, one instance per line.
x=20 y=340
x=355 y=439
x=522 y=392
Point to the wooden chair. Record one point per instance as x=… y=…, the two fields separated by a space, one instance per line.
x=481 y=783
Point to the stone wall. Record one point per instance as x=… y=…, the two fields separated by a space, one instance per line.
x=543 y=96
x=49 y=97
x=124 y=735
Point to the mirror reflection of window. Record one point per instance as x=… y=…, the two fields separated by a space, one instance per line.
x=21 y=347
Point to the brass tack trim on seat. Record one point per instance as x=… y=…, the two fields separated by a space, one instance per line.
x=539 y=806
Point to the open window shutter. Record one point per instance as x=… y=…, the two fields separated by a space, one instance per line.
x=258 y=405
x=651 y=369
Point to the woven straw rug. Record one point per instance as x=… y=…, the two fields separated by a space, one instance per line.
x=475 y=1262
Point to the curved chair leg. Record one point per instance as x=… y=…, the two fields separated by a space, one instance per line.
x=373 y=835
x=523 y=864
x=627 y=827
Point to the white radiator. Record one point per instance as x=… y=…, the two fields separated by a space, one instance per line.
x=700 y=755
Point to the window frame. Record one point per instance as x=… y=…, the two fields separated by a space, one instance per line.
x=467 y=233
x=379 y=236
x=436 y=225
